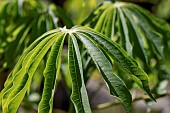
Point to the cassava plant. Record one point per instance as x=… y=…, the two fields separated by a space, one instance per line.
x=141 y=35
x=101 y=49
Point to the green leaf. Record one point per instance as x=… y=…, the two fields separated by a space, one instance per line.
x=13 y=96
x=103 y=20
x=123 y=28
x=94 y=14
x=9 y=82
x=79 y=94
x=51 y=70
x=151 y=34
x=116 y=85
x=157 y=23
x=120 y=55
x=109 y=29
x=135 y=29
x=30 y=48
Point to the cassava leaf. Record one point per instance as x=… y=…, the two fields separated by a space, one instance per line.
x=79 y=94
x=135 y=30
x=123 y=28
x=116 y=85
x=50 y=73
x=27 y=67
x=150 y=33
x=126 y=62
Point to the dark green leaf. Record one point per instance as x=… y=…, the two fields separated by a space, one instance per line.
x=79 y=94
x=50 y=73
x=116 y=85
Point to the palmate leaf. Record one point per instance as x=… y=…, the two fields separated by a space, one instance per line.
x=100 y=49
x=142 y=35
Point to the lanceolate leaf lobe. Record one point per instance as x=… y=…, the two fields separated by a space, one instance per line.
x=50 y=74
x=79 y=94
